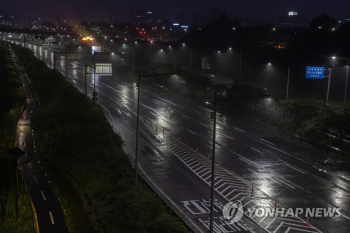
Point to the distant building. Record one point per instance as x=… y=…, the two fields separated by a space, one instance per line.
x=142 y=17
x=10 y=21
x=216 y=12
x=292 y=20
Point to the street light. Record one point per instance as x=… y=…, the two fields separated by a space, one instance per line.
x=138 y=115
x=191 y=55
x=213 y=116
x=288 y=72
x=347 y=75
x=168 y=50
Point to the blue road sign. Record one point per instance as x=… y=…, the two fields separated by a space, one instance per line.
x=314 y=72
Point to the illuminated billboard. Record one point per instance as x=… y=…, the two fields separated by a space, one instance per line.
x=87 y=39
x=96 y=49
x=104 y=69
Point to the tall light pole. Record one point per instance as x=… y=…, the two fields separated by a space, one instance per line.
x=94 y=94
x=240 y=66
x=174 y=56
x=137 y=123
x=287 y=92
x=347 y=76
x=213 y=168
x=191 y=57
x=133 y=58
x=138 y=116
x=288 y=76
x=16 y=153
x=329 y=84
x=346 y=82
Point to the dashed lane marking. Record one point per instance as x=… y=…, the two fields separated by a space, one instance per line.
x=295 y=168
x=266 y=141
x=192 y=132
x=239 y=129
x=256 y=150
x=52 y=221
x=43 y=195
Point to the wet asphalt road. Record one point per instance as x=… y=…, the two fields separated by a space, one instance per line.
x=278 y=169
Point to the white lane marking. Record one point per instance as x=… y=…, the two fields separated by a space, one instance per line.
x=239 y=129
x=171 y=121
x=192 y=132
x=205 y=125
x=345 y=216
x=198 y=112
x=247 y=162
x=267 y=141
x=43 y=195
x=185 y=116
x=297 y=229
x=52 y=221
x=256 y=150
x=345 y=178
x=284 y=182
x=228 y=136
x=295 y=168
x=35 y=179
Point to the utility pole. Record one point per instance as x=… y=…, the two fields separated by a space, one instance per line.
x=14 y=93
x=137 y=123
x=2 y=105
x=191 y=58
x=54 y=57
x=325 y=99
x=346 y=82
x=16 y=152
x=66 y=66
x=329 y=83
x=174 y=61
x=133 y=58
x=240 y=66
x=94 y=94
x=16 y=175
x=288 y=83
x=213 y=168
x=85 y=82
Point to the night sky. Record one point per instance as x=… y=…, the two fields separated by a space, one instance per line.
x=98 y=10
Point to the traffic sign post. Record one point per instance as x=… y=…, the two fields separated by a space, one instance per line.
x=313 y=72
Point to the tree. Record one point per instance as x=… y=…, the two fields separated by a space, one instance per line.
x=299 y=112
x=323 y=21
x=338 y=123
